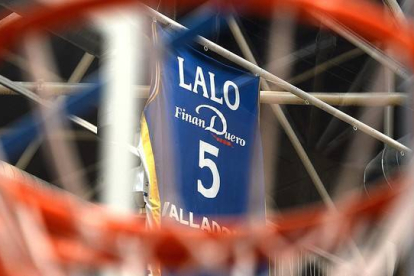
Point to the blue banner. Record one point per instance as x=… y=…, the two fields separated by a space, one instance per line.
x=200 y=143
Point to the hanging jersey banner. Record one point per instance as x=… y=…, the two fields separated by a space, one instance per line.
x=200 y=143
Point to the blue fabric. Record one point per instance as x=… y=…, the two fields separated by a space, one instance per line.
x=28 y=128
x=203 y=24
x=176 y=129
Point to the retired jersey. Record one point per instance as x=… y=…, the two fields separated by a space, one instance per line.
x=200 y=142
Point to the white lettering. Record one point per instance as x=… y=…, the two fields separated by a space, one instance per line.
x=173 y=213
x=181 y=114
x=200 y=81
x=225 y=230
x=178 y=111
x=216 y=227
x=192 y=224
x=205 y=225
x=213 y=89
x=207 y=162
x=179 y=215
x=182 y=220
x=181 y=74
x=165 y=208
x=236 y=103
x=211 y=127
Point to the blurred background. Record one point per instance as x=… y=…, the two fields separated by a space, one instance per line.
x=312 y=58
x=342 y=158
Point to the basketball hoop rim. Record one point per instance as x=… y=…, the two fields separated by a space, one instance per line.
x=366 y=19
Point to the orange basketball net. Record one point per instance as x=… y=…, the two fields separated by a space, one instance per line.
x=86 y=235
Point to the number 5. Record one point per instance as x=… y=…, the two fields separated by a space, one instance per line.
x=205 y=162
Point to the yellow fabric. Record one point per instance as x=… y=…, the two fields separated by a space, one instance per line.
x=153 y=192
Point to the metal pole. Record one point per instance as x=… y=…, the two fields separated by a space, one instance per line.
x=75 y=77
x=389 y=75
x=285 y=85
x=395 y=9
x=35 y=98
x=389 y=110
x=268 y=97
x=338 y=99
x=299 y=54
x=123 y=33
x=81 y=68
x=234 y=27
x=290 y=133
x=311 y=73
x=358 y=41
